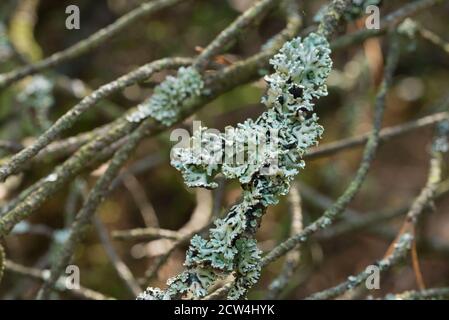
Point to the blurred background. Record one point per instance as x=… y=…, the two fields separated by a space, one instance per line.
x=155 y=189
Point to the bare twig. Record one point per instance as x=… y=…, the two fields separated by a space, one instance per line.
x=229 y=34
x=122 y=269
x=146 y=234
x=292 y=258
x=137 y=192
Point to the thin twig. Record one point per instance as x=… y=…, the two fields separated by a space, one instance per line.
x=292 y=258
x=146 y=234
x=229 y=34
x=140 y=198
x=122 y=269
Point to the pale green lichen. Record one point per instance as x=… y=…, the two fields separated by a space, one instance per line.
x=273 y=146
x=170 y=97
x=408 y=28
x=37 y=95
x=355 y=11
x=441 y=143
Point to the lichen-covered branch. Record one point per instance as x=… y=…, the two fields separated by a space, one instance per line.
x=301 y=71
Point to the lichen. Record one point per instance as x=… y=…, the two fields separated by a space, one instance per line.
x=272 y=146
x=170 y=97
x=37 y=93
x=355 y=11
x=408 y=28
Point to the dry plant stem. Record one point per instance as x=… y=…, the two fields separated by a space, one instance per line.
x=68 y=119
x=292 y=259
x=41 y=275
x=122 y=269
x=332 y=148
x=398 y=251
x=146 y=234
x=87 y=44
x=389 y=22
x=427 y=294
x=332 y=213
